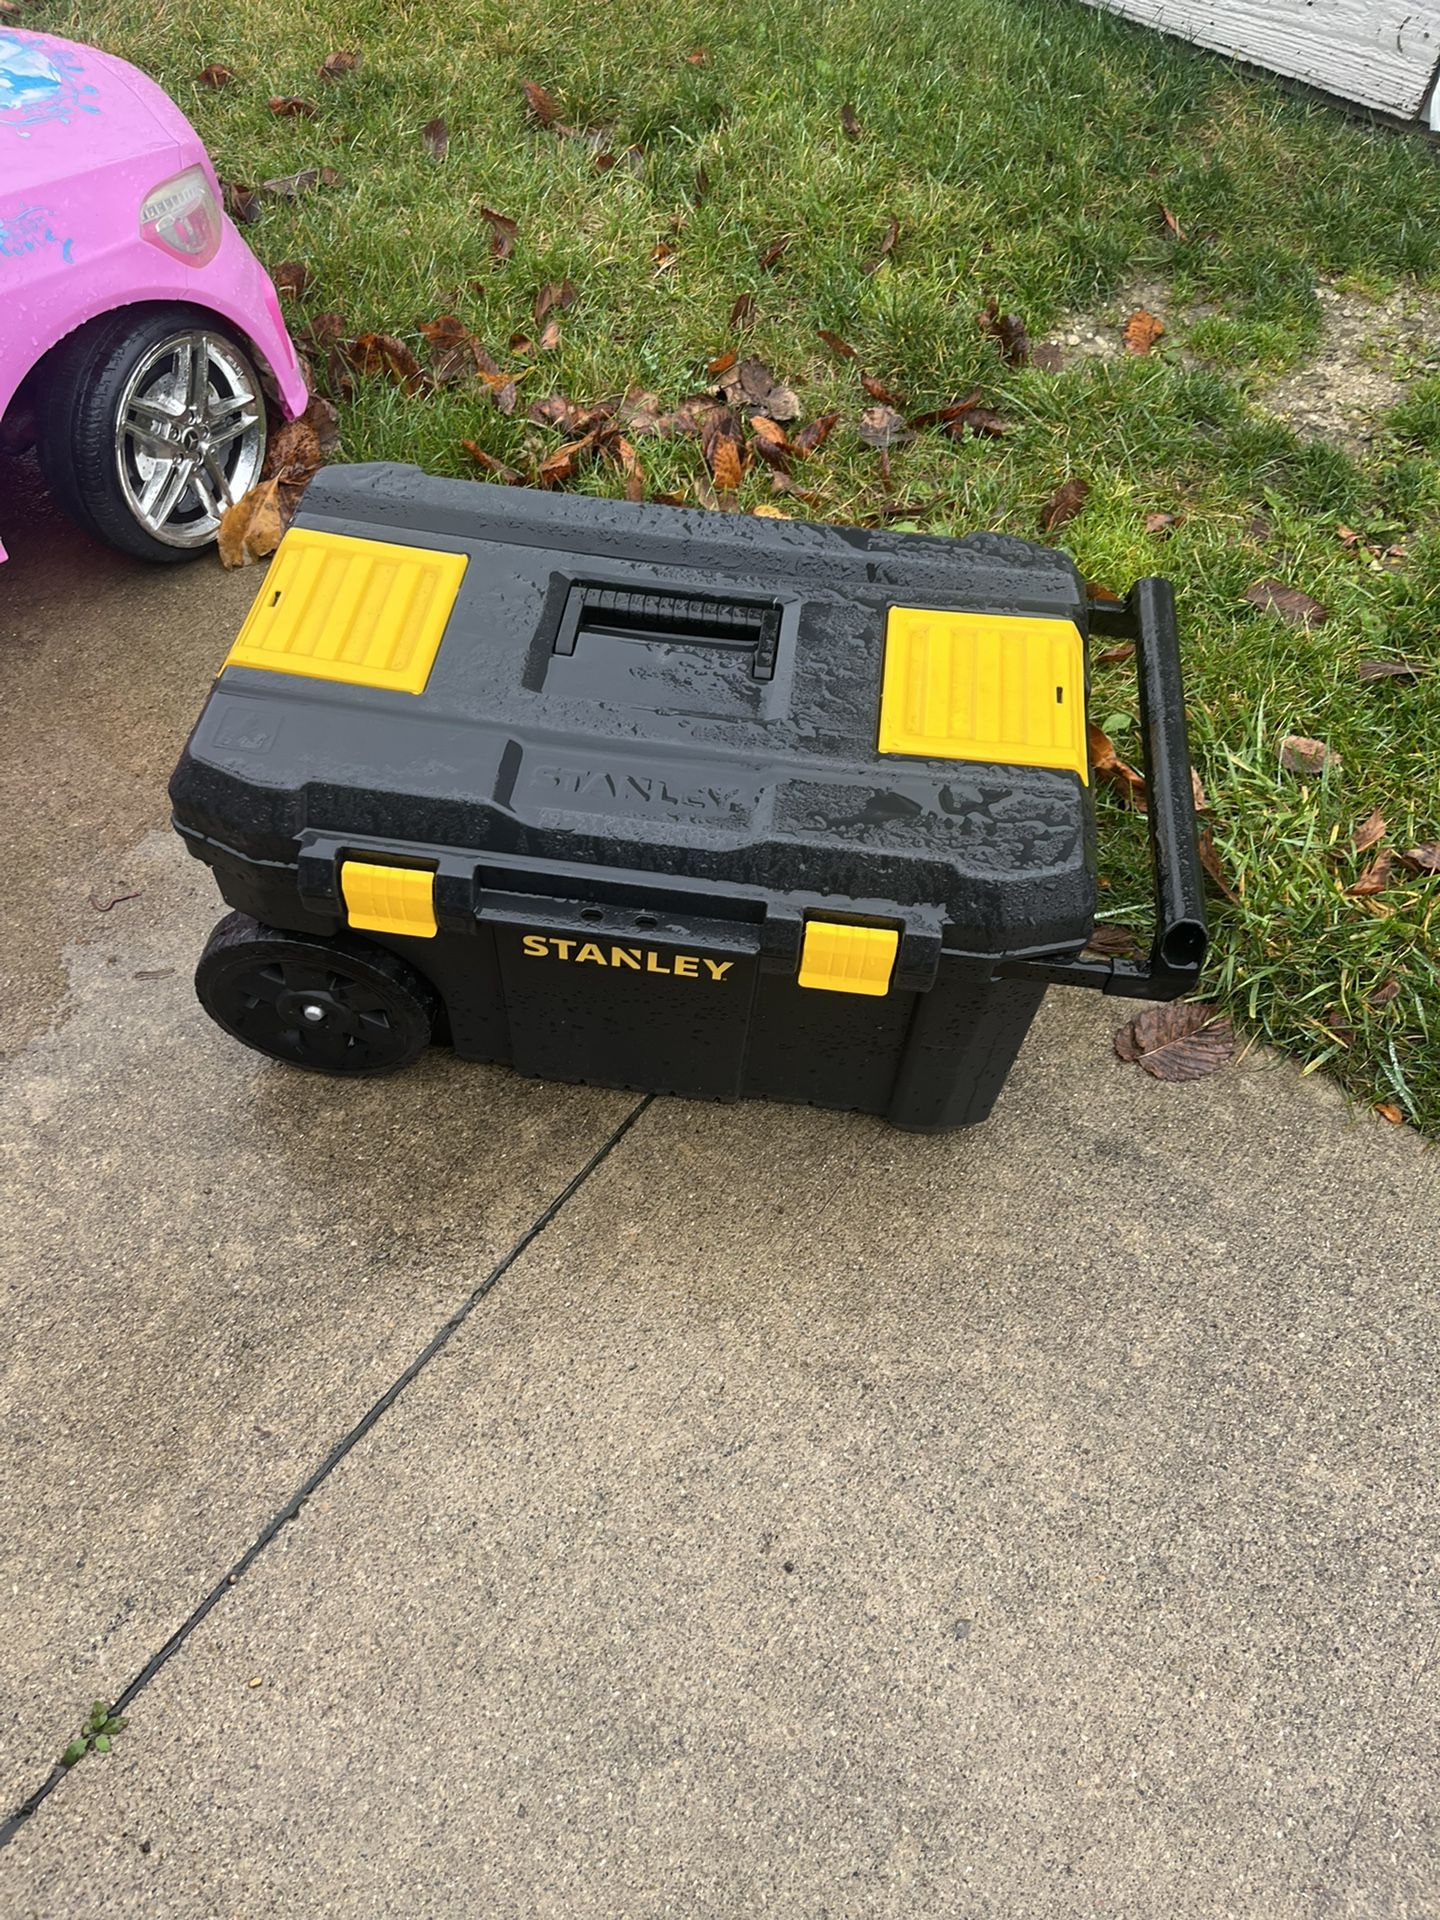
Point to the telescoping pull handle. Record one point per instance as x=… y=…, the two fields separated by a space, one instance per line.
x=1147 y=616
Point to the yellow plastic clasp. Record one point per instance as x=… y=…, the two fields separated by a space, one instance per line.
x=839 y=958
x=389 y=899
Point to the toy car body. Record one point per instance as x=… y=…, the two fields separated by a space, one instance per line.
x=139 y=336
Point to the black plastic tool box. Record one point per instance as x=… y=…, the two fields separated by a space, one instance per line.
x=704 y=803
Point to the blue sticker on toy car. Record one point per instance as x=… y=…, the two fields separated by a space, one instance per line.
x=39 y=82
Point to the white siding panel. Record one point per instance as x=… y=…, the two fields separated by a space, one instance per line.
x=1382 y=53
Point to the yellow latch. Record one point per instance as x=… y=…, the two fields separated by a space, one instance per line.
x=845 y=959
x=1003 y=688
x=364 y=612
x=389 y=899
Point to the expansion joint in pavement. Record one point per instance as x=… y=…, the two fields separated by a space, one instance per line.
x=13 y=1823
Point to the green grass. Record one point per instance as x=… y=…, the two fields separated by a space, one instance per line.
x=1026 y=148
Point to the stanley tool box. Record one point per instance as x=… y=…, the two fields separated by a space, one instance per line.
x=703 y=803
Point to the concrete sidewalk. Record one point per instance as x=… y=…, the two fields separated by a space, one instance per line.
x=812 y=1519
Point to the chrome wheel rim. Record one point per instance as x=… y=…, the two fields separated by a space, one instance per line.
x=189 y=436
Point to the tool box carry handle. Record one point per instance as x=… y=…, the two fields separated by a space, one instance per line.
x=1147 y=616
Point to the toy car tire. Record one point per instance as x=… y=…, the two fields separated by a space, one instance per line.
x=153 y=422
x=337 y=1006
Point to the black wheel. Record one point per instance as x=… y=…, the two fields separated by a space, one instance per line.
x=334 y=1006
x=153 y=423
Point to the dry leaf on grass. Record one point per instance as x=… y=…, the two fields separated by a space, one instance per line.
x=1160 y=524
x=770 y=442
x=809 y=439
x=541 y=108
x=555 y=296
x=1399 y=668
x=1007 y=330
x=884 y=428
x=1113 y=656
x=1376 y=876
x=242 y=203
x=252 y=527
x=887 y=247
x=369 y=354
x=214 y=76
x=291 y=278
x=1114 y=943
x=1063 y=504
x=502 y=233
x=1178 y=1040
x=751 y=384
x=290 y=186
x=771 y=256
x=490 y=464
x=435 y=138
x=290 y=106
x=1210 y=861
x=850 y=123
x=842 y=349
x=1142 y=330
x=1297 y=609
x=1388 y=990
x=1298 y=754
x=1369 y=833
x=1172 y=225
x=1423 y=859
x=742 y=313
x=336 y=65
x=723 y=445
x=1111 y=771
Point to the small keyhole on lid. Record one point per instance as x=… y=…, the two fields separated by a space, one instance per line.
x=275 y=597
x=1059 y=696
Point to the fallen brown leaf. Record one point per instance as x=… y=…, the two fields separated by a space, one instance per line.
x=950 y=415
x=723 y=362
x=887 y=247
x=980 y=421
x=291 y=278
x=1007 y=330
x=1064 y=504
x=663 y=257
x=771 y=256
x=374 y=353
x=1197 y=793
x=1392 y=1111
x=541 y=108
x=840 y=348
x=1297 y=609
x=1369 y=833
x=1376 y=876
x=1142 y=330
x=1112 y=771
x=335 y=65
x=1422 y=859
x=723 y=446
x=455 y=353
x=1299 y=754
x=1111 y=942
x=809 y=439
x=242 y=203
x=502 y=233
x=1178 y=1040
x=563 y=463
x=751 y=384
x=556 y=296
x=770 y=442
x=549 y=336
x=290 y=106
x=742 y=313
x=252 y=527
x=1210 y=861
x=1388 y=990
x=850 y=123
x=767 y=512
x=883 y=427
x=435 y=138
x=696 y=57
x=1339 y=1026
x=290 y=186
x=1048 y=357
x=1173 y=226
x=877 y=390
x=1160 y=524
x=1347 y=536
x=214 y=76
x=1397 y=668
x=510 y=475
x=1113 y=656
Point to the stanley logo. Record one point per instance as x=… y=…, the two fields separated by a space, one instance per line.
x=681 y=966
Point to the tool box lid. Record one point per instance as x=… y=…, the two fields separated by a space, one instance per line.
x=885 y=723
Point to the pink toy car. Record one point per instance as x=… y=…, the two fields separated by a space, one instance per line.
x=139 y=336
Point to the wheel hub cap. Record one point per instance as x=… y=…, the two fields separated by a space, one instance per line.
x=189 y=436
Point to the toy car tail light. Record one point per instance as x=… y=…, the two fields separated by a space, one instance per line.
x=181 y=215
